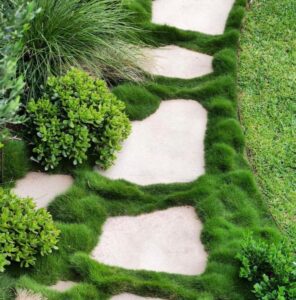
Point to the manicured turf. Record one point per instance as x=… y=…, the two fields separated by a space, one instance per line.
x=267 y=81
x=226 y=198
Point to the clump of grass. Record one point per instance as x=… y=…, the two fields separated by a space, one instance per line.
x=94 y=35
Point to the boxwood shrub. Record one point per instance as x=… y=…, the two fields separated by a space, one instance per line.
x=76 y=115
x=271 y=268
x=25 y=232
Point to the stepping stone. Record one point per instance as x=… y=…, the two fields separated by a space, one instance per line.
x=62 y=286
x=23 y=294
x=42 y=187
x=127 y=296
x=162 y=241
x=174 y=61
x=166 y=147
x=207 y=16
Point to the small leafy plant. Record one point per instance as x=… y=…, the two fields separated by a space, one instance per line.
x=76 y=115
x=13 y=25
x=24 y=231
x=270 y=268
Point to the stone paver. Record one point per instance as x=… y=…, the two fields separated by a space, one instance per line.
x=127 y=296
x=166 y=147
x=207 y=16
x=163 y=241
x=62 y=286
x=174 y=61
x=42 y=187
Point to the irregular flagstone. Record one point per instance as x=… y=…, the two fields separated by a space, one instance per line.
x=174 y=61
x=127 y=296
x=62 y=286
x=23 y=294
x=166 y=147
x=42 y=187
x=207 y=16
x=162 y=241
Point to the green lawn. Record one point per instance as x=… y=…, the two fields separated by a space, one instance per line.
x=267 y=81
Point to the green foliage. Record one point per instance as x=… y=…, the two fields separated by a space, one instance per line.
x=76 y=115
x=13 y=26
x=24 y=231
x=15 y=160
x=95 y=35
x=270 y=268
x=140 y=103
x=7 y=284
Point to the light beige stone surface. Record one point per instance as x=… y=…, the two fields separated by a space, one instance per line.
x=23 y=294
x=42 y=187
x=166 y=147
x=163 y=241
x=207 y=16
x=174 y=61
x=62 y=286
x=127 y=296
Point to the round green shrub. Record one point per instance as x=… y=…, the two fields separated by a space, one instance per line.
x=271 y=268
x=25 y=232
x=77 y=115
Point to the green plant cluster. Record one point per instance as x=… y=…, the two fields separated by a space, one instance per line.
x=271 y=268
x=12 y=28
x=76 y=115
x=25 y=232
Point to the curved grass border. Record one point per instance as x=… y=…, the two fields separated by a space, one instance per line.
x=226 y=198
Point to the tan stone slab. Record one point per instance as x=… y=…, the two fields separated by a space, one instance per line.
x=42 y=187
x=174 y=61
x=166 y=147
x=162 y=241
x=127 y=296
x=62 y=286
x=207 y=16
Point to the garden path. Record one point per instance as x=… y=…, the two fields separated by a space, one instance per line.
x=167 y=240
x=127 y=241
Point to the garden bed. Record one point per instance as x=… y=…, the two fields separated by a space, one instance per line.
x=184 y=157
